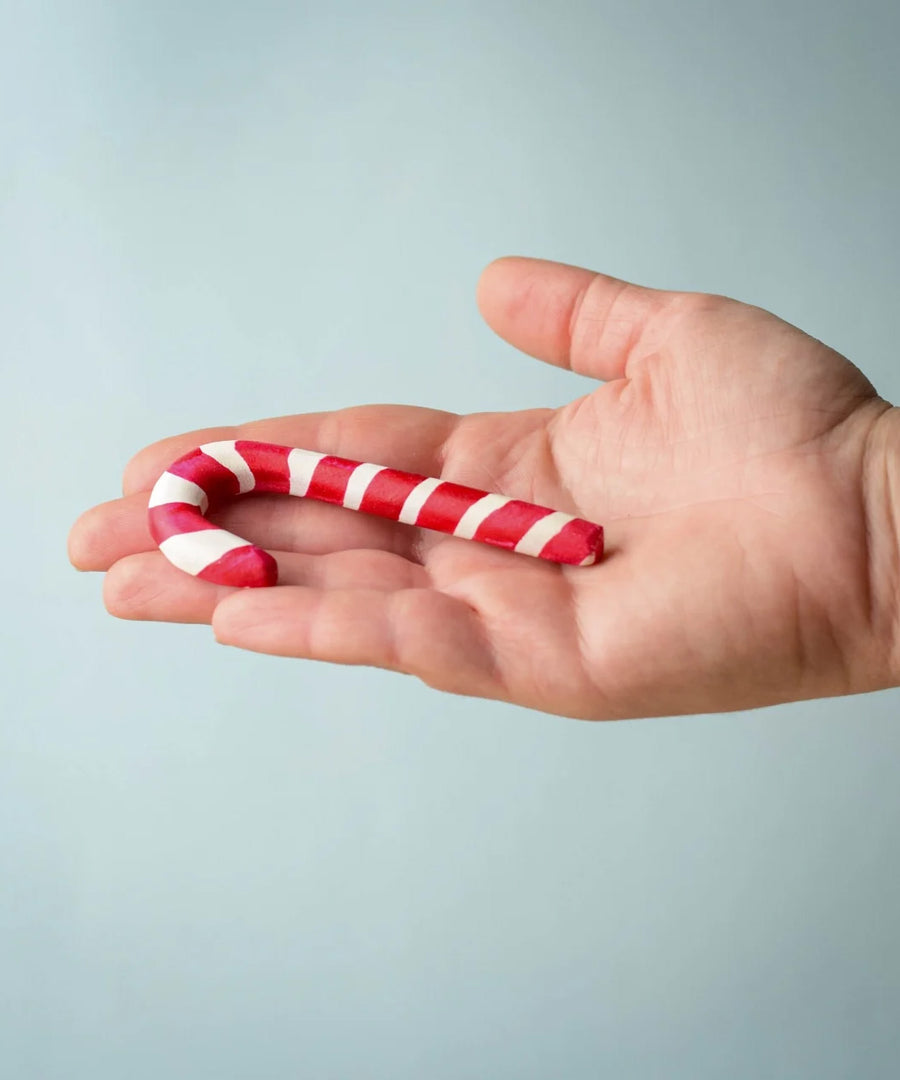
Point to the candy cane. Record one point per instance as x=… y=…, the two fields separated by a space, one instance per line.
x=216 y=471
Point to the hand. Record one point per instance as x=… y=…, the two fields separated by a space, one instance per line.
x=741 y=468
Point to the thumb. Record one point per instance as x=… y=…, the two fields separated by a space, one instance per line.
x=564 y=315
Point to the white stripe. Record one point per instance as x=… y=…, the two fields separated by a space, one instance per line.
x=359 y=481
x=193 y=552
x=468 y=524
x=533 y=542
x=302 y=464
x=415 y=500
x=170 y=488
x=226 y=454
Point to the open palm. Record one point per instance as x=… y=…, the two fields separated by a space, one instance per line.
x=733 y=460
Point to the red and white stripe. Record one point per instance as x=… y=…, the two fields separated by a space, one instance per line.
x=217 y=471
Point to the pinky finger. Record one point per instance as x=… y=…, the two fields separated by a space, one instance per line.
x=418 y=631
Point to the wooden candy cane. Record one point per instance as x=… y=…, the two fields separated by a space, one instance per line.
x=217 y=471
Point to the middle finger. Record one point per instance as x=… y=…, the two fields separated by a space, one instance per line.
x=117 y=529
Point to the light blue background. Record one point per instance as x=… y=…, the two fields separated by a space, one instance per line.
x=221 y=865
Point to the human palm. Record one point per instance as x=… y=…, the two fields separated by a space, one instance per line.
x=729 y=455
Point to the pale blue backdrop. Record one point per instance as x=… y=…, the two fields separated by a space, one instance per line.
x=219 y=865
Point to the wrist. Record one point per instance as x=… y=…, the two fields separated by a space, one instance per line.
x=881 y=500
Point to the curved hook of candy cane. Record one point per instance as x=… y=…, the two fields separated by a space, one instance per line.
x=217 y=471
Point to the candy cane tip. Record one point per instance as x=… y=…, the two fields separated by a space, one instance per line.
x=598 y=548
x=244 y=568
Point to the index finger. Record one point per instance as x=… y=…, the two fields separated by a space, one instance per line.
x=400 y=436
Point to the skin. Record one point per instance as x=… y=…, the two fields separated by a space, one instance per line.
x=748 y=477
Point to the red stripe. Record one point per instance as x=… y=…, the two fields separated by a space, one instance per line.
x=329 y=479
x=574 y=542
x=446 y=505
x=244 y=567
x=506 y=527
x=268 y=463
x=387 y=492
x=217 y=481
x=171 y=519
